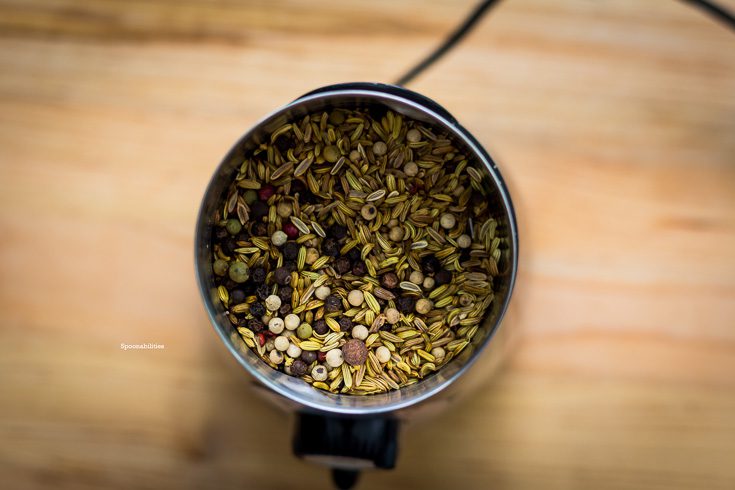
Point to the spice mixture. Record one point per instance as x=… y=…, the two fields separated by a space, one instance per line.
x=356 y=251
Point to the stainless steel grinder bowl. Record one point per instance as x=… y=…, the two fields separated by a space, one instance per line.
x=353 y=418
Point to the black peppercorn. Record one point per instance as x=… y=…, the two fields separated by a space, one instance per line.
x=298 y=368
x=308 y=356
x=258 y=274
x=260 y=229
x=229 y=246
x=263 y=291
x=342 y=265
x=333 y=303
x=285 y=309
x=257 y=310
x=290 y=265
x=256 y=325
x=345 y=324
x=389 y=280
x=290 y=251
x=430 y=264
x=285 y=293
x=386 y=327
x=297 y=186
x=330 y=247
x=320 y=327
x=282 y=276
x=258 y=210
x=221 y=233
x=405 y=304
x=354 y=254
x=442 y=277
x=237 y=296
x=464 y=255
x=359 y=268
x=337 y=231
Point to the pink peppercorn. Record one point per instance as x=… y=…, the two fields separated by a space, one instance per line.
x=261 y=339
x=321 y=356
x=265 y=192
x=290 y=230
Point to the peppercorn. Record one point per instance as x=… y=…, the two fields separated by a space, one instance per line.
x=290 y=230
x=237 y=296
x=239 y=271
x=258 y=210
x=392 y=315
x=285 y=309
x=383 y=354
x=333 y=303
x=291 y=251
x=464 y=241
x=233 y=226
x=319 y=373
x=320 y=327
x=290 y=265
x=331 y=153
x=275 y=325
x=354 y=352
x=447 y=221
x=282 y=276
x=250 y=196
x=312 y=255
x=335 y=358
x=360 y=332
x=257 y=310
x=423 y=306
x=275 y=356
x=356 y=297
x=322 y=292
x=308 y=356
x=342 y=265
x=405 y=304
x=396 y=234
x=413 y=135
x=256 y=325
x=266 y=192
x=330 y=247
x=337 y=231
x=416 y=277
x=260 y=229
x=369 y=211
x=304 y=331
x=220 y=267
x=220 y=233
x=263 y=291
x=359 y=268
x=380 y=148
x=345 y=324
x=389 y=280
x=430 y=264
x=285 y=293
x=298 y=368
x=443 y=276
x=258 y=275
x=411 y=169
x=284 y=209
x=428 y=283
x=354 y=254
x=229 y=246
x=278 y=238
x=321 y=356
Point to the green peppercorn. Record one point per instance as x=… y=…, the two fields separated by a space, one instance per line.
x=239 y=271
x=250 y=196
x=331 y=153
x=304 y=331
x=220 y=267
x=233 y=226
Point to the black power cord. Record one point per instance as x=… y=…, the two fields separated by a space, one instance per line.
x=706 y=6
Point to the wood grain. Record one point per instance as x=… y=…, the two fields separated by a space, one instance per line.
x=613 y=122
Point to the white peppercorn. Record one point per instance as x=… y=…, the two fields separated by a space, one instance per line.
x=275 y=325
x=355 y=297
x=423 y=306
x=278 y=238
x=383 y=354
x=411 y=169
x=464 y=241
x=447 y=221
x=413 y=135
x=281 y=343
x=293 y=351
x=392 y=315
x=428 y=282
x=335 y=358
x=416 y=277
x=359 y=332
x=273 y=302
x=292 y=321
x=276 y=357
x=319 y=373
x=322 y=292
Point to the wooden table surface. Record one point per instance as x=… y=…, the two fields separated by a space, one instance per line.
x=613 y=121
